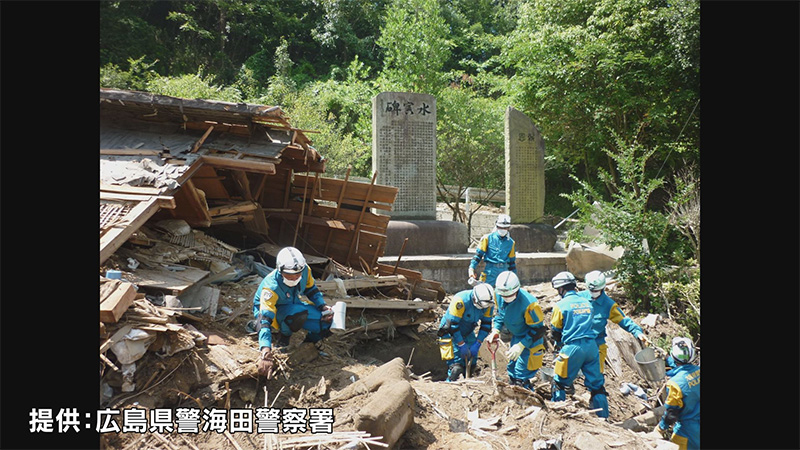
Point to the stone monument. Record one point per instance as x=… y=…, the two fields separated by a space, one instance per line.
x=404 y=156
x=525 y=184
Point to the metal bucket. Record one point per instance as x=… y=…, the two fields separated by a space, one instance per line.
x=651 y=366
x=546 y=374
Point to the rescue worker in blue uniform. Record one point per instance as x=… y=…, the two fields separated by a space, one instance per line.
x=683 y=398
x=572 y=331
x=520 y=313
x=605 y=309
x=458 y=342
x=278 y=308
x=497 y=251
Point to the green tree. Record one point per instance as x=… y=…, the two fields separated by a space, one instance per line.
x=625 y=221
x=416 y=46
x=470 y=147
x=583 y=68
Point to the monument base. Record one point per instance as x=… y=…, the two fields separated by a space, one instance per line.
x=425 y=237
x=533 y=237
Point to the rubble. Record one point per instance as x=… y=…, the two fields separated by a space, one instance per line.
x=184 y=249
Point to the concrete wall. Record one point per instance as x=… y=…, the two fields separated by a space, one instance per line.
x=451 y=270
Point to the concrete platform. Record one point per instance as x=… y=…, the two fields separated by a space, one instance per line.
x=451 y=269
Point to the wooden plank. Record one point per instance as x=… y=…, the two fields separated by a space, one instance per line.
x=239 y=164
x=174 y=282
x=232 y=208
x=129 y=152
x=329 y=223
x=164 y=201
x=117 y=303
x=356 y=190
x=371 y=303
x=125 y=189
x=199 y=143
x=362 y=283
x=118 y=234
x=243 y=183
x=338 y=207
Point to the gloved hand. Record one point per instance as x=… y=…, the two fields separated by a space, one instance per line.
x=665 y=433
x=493 y=336
x=474 y=348
x=327 y=313
x=514 y=352
x=464 y=350
x=643 y=339
x=265 y=363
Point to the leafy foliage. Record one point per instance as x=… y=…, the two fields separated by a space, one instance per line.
x=416 y=45
x=625 y=221
x=613 y=85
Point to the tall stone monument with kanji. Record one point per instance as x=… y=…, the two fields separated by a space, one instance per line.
x=404 y=151
x=404 y=156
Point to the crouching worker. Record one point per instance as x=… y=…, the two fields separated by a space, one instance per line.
x=458 y=342
x=572 y=331
x=522 y=316
x=683 y=398
x=278 y=308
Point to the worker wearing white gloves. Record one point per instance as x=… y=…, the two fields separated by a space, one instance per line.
x=571 y=328
x=605 y=309
x=458 y=343
x=520 y=313
x=278 y=307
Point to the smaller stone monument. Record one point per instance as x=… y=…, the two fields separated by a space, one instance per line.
x=525 y=184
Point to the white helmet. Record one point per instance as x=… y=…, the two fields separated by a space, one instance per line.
x=682 y=350
x=483 y=296
x=503 y=221
x=290 y=260
x=595 y=280
x=507 y=284
x=563 y=279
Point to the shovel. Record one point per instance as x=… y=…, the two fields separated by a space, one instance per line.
x=493 y=350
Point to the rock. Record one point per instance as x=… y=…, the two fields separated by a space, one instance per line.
x=533 y=237
x=650 y=320
x=390 y=412
x=587 y=441
x=583 y=258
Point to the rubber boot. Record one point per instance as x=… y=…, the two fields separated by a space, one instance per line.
x=599 y=400
x=454 y=371
x=283 y=340
x=559 y=394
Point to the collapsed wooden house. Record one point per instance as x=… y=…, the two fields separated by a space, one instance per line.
x=245 y=173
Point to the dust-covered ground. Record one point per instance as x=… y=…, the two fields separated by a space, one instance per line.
x=221 y=374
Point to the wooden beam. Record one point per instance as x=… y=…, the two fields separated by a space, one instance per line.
x=312 y=220
x=166 y=202
x=338 y=207
x=199 y=143
x=115 y=305
x=371 y=303
x=130 y=152
x=361 y=217
x=118 y=234
x=194 y=196
x=125 y=189
x=243 y=183
x=239 y=164
x=232 y=208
